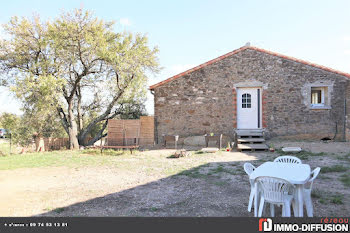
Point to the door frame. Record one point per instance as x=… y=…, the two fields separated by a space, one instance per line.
x=259 y=104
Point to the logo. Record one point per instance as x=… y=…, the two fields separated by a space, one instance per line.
x=326 y=225
x=265 y=224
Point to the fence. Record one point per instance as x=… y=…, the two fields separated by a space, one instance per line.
x=120 y=132
x=56 y=143
x=130 y=132
x=49 y=144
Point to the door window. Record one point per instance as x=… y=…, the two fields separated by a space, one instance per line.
x=246 y=100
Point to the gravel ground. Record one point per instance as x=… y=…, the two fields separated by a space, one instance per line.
x=151 y=184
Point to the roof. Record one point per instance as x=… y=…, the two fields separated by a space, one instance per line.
x=240 y=50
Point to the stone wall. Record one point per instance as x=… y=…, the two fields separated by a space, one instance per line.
x=204 y=101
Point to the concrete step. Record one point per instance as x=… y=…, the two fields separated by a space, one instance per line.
x=252 y=147
x=249 y=136
x=250 y=140
x=249 y=132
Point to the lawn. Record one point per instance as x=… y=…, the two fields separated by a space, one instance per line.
x=54 y=159
x=4 y=147
x=150 y=183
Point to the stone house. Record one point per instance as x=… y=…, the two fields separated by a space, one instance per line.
x=252 y=88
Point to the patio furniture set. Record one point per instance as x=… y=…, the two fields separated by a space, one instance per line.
x=284 y=182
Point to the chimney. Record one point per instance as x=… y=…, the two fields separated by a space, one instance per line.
x=247 y=44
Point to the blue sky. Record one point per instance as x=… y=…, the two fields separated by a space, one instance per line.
x=189 y=33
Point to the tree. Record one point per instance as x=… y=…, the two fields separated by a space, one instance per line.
x=133 y=110
x=74 y=65
x=9 y=121
x=23 y=127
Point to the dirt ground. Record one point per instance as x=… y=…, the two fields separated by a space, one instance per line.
x=151 y=184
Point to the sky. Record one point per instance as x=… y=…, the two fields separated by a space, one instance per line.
x=189 y=33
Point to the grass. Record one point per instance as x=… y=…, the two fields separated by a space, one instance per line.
x=197 y=172
x=211 y=168
x=316 y=193
x=323 y=177
x=59 y=210
x=345 y=179
x=200 y=165
x=219 y=169
x=323 y=201
x=334 y=168
x=150 y=165
x=232 y=171
x=110 y=152
x=153 y=209
x=212 y=173
x=197 y=175
x=4 y=148
x=304 y=155
x=68 y=158
x=54 y=158
x=193 y=173
x=199 y=152
x=326 y=198
x=263 y=160
x=220 y=183
x=337 y=199
x=344 y=157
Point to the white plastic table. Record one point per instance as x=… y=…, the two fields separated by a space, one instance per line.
x=297 y=174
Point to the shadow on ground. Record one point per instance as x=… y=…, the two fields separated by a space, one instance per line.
x=213 y=189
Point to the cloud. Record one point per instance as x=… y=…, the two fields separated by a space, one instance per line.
x=125 y=22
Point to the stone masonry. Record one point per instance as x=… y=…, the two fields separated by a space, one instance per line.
x=204 y=100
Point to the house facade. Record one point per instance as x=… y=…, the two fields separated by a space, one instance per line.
x=252 y=88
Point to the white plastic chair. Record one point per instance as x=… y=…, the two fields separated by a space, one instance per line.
x=276 y=191
x=249 y=168
x=307 y=192
x=287 y=159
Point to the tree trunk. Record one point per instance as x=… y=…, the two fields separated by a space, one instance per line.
x=73 y=139
x=80 y=116
x=72 y=129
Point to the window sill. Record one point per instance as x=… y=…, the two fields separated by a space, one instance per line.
x=320 y=107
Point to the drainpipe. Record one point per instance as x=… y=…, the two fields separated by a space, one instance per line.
x=155 y=121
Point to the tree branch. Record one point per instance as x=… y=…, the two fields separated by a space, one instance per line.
x=106 y=115
x=99 y=135
x=63 y=118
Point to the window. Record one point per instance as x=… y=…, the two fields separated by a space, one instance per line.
x=318 y=96
x=246 y=101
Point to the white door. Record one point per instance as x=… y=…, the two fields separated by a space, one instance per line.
x=248 y=108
